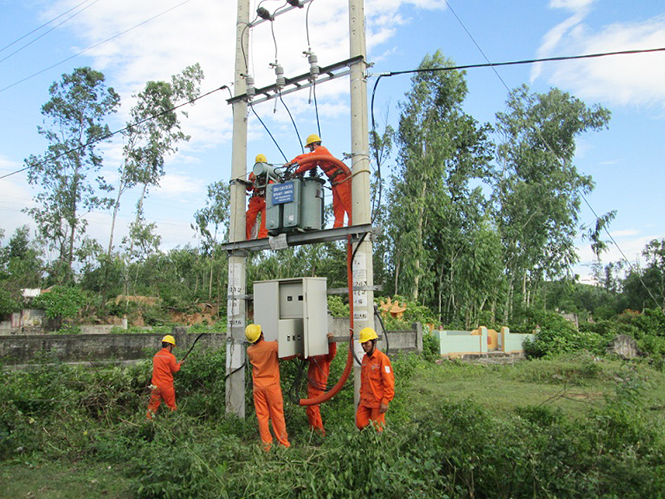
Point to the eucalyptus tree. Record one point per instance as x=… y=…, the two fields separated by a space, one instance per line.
x=538 y=188
x=212 y=223
x=75 y=116
x=153 y=132
x=432 y=205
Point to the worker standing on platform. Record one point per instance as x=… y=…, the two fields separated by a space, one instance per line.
x=377 y=383
x=257 y=202
x=338 y=173
x=317 y=378
x=163 y=366
x=268 y=401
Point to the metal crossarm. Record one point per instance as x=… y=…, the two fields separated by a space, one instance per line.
x=299 y=82
x=300 y=238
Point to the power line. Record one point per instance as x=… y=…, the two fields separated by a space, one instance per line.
x=93 y=46
x=526 y=61
x=47 y=32
x=108 y=136
x=42 y=26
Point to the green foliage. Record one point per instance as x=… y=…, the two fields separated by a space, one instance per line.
x=438 y=448
x=337 y=307
x=555 y=335
x=61 y=302
x=7 y=303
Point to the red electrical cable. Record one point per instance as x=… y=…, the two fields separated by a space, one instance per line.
x=349 y=360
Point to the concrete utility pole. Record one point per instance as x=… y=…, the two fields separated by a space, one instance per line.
x=363 y=269
x=235 y=336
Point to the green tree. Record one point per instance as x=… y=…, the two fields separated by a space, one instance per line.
x=61 y=304
x=75 y=114
x=538 y=188
x=212 y=222
x=152 y=134
x=434 y=209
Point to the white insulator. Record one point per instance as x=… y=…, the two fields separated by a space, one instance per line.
x=251 y=90
x=313 y=64
x=279 y=72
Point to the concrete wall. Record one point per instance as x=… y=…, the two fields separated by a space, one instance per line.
x=453 y=343
x=410 y=340
x=23 y=348
x=461 y=342
x=20 y=349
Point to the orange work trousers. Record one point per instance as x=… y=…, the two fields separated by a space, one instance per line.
x=341 y=198
x=314 y=412
x=159 y=393
x=269 y=406
x=257 y=204
x=365 y=415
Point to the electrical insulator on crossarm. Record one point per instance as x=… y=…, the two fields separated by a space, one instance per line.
x=251 y=89
x=279 y=72
x=313 y=64
x=263 y=13
x=295 y=3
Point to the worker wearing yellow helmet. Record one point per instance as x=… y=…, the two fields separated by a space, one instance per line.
x=268 y=400
x=164 y=365
x=257 y=202
x=377 y=383
x=338 y=174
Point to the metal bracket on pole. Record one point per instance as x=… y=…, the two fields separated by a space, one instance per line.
x=299 y=82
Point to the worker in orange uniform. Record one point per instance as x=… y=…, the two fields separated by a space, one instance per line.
x=317 y=378
x=163 y=366
x=377 y=383
x=268 y=401
x=338 y=173
x=257 y=202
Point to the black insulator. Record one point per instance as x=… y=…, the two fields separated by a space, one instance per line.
x=294 y=3
x=263 y=13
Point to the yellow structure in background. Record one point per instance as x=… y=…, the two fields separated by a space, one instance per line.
x=393 y=308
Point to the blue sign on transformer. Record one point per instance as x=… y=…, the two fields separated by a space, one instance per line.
x=282 y=193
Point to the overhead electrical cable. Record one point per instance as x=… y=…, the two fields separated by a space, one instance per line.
x=292 y=121
x=93 y=46
x=47 y=32
x=109 y=135
x=42 y=26
x=267 y=130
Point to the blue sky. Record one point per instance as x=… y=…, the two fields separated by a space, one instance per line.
x=160 y=38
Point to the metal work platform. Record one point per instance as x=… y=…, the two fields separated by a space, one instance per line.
x=298 y=239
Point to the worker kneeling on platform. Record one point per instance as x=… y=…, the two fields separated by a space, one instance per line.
x=377 y=383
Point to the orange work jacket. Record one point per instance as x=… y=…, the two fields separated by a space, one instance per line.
x=334 y=172
x=163 y=367
x=265 y=363
x=377 y=380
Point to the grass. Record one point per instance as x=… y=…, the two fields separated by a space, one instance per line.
x=61 y=480
x=576 y=386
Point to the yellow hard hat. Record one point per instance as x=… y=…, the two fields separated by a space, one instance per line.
x=313 y=138
x=260 y=158
x=168 y=339
x=253 y=333
x=367 y=334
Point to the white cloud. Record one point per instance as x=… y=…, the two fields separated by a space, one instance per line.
x=573 y=5
x=627 y=80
